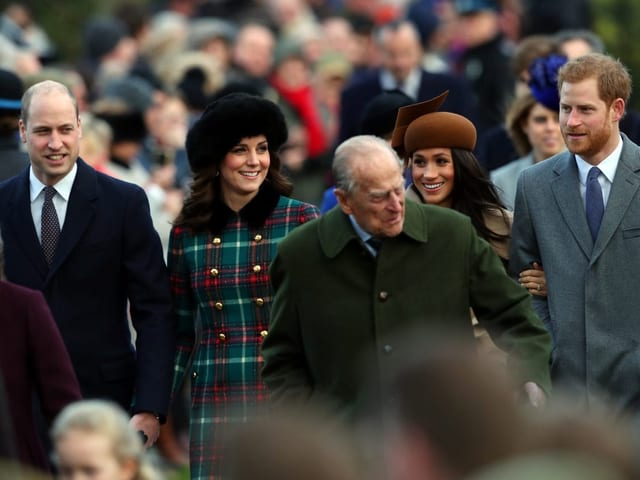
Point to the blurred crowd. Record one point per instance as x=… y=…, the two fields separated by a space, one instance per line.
x=147 y=73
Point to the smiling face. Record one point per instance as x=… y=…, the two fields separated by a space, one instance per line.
x=589 y=126
x=52 y=134
x=433 y=173
x=377 y=200
x=243 y=170
x=542 y=128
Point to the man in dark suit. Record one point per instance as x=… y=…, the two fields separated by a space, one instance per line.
x=90 y=246
x=401 y=52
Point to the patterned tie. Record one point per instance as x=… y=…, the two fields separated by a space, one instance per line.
x=594 y=202
x=50 y=225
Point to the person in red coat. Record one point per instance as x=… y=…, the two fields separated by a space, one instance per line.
x=33 y=358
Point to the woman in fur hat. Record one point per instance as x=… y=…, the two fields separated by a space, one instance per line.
x=219 y=253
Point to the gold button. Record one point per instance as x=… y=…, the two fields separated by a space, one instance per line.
x=218 y=305
x=263 y=333
x=257 y=269
x=258 y=237
x=259 y=302
x=217 y=241
x=222 y=337
x=214 y=272
x=383 y=296
x=194 y=375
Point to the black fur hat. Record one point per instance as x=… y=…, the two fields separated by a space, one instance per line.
x=226 y=121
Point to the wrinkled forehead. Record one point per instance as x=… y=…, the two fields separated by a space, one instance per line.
x=379 y=171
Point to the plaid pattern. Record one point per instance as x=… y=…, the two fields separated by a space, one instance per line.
x=233 y=302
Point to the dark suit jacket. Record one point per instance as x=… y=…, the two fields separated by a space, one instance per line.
x=32 y=359
x=108 y=253
x=356 y=95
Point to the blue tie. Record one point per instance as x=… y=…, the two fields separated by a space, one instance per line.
x=594 y=202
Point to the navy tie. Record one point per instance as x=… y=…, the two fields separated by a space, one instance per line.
x=375 y=244
x=50 y=225
x=594 y=202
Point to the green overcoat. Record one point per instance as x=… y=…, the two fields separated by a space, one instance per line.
x=335 y=304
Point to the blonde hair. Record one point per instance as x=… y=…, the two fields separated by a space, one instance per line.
x=109 y=420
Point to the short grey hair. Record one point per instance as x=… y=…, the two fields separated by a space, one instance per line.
x=351 y=149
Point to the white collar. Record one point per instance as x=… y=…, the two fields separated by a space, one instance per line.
x=63 y=187
x=607 y=166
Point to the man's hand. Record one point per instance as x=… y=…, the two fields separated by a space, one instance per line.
x=148 y=423
x=536 y=396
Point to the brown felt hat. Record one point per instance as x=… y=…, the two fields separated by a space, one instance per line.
x=422 y=126
x=408 y=114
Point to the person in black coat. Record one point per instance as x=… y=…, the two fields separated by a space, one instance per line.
x=12 y=158
x=105 y=262
x=401 y=50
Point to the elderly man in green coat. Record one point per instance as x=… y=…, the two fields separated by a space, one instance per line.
x=347 y=283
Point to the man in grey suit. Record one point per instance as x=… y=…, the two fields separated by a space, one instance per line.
x=583 y=226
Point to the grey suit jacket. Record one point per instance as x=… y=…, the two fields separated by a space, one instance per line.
x=593 y=306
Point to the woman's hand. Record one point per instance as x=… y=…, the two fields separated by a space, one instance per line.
x=534 y=280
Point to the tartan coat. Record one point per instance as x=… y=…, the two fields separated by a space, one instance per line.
x=220 y=280
x=336 y=308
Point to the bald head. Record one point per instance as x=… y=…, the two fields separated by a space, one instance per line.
x=44 y=88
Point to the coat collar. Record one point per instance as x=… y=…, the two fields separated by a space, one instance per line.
x=255 y=212
x=80 y=211
x=567 y=193
x=336 y=232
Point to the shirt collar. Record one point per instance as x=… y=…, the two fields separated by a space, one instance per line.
x=607 y=166
x=362 y=233
x=411 y=84
x=63 y=187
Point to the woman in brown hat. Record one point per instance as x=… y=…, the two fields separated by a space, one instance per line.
x=438 y=149
x=220 y=249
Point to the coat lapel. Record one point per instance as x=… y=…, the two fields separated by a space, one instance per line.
x=623 y=191
x=20 y=222
x=566 y=190
x=80 y=211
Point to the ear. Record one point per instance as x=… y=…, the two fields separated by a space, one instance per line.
x=617 y=109
x=23 y=133
x=343 y=200
x=79 y=128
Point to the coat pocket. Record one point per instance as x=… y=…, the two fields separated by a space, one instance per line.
x=631 y=232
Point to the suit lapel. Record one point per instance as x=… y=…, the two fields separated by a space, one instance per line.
x=80 y=212
x=623 y=191
x=20 y=222
x=566 y=190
